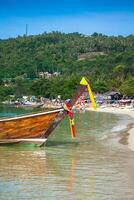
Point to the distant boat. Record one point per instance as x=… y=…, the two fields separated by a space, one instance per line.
x=31 y=104
x=35 y=128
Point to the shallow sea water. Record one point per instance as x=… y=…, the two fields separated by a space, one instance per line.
x=94 y=166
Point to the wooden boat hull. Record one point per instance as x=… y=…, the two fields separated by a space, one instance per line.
x=27 y=128
x=34 y=128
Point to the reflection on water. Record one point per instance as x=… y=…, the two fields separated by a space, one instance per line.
x=86 y=168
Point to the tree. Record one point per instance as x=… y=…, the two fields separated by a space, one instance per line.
x=127 y=87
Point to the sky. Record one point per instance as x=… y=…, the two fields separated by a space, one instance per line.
x=109 y=17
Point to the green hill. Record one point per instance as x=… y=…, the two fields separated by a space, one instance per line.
x=107 y=61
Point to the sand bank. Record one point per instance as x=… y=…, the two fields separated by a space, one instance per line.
x=125 y=111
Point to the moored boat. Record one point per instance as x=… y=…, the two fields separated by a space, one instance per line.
x=35 y=128
x=26 y=128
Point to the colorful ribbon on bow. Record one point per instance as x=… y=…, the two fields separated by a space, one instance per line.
x=71 y=118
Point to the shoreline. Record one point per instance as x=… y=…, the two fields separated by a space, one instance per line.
x=127 y=133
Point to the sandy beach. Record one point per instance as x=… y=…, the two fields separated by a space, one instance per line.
x=130 y=130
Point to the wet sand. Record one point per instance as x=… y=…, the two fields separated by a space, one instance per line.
x=131 y=138
x=127 y=135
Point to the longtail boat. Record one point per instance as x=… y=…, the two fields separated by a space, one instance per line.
x=35 y=128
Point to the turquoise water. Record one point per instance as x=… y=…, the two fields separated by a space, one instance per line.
x=9 y=111
x=93 y=166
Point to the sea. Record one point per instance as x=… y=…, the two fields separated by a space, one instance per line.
x=93 y=166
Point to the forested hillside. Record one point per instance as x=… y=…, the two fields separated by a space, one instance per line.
x=107 y=61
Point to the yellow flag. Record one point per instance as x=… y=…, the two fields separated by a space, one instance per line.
x=84 y=82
